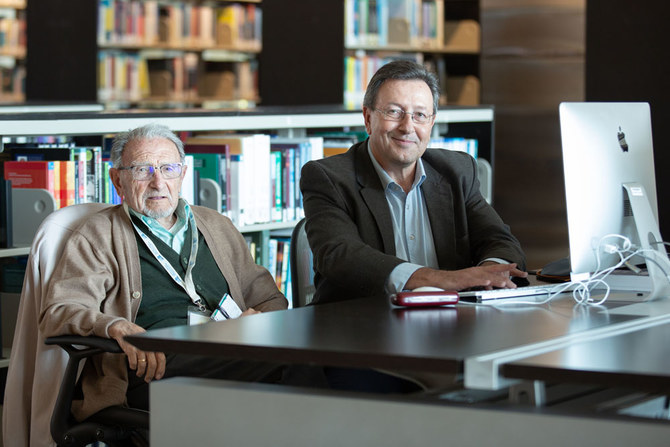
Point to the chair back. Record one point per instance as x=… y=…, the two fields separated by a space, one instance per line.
x=302 y=270
x=35 y=369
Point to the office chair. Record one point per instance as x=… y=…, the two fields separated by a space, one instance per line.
x=302 y=270
x=36 y=368
x=115 y=426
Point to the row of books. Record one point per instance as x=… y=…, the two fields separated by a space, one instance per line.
x=183 y=24
x=71 y=174
x=406 y=23
x=278 y=264
x=467 y=145
x=277 y=261
x=258 y=175
x=12 y=82
x=359 y=68
x=12 y=33
x=133 y=76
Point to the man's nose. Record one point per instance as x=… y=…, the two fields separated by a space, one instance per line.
x=157 y=178
x=406 y=122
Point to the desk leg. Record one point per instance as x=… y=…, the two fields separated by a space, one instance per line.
x=529 y=393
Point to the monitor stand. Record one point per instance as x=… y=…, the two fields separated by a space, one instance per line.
x=656 y=257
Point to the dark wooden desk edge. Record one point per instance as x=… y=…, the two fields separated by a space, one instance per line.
x=298 y=356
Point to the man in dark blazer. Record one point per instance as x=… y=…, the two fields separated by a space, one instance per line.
x=390 y=214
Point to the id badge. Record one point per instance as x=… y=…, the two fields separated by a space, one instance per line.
x=197 y=316
x=227 y=309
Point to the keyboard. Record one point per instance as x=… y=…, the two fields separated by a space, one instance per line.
x=481 y=296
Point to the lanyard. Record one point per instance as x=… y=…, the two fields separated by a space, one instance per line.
x=186 y=283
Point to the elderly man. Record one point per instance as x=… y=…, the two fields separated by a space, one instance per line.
x=154 y=261
x=390 y=214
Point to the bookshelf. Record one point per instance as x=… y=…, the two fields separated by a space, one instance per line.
x=302 y=64
x=145 y=53
x=12 y=50
x=451 y=122
x=467 y=122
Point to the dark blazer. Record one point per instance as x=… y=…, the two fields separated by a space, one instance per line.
x=349 y=224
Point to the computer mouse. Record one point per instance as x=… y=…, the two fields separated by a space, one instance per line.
x=427 y=289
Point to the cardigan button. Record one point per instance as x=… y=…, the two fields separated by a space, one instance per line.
x=136 y=295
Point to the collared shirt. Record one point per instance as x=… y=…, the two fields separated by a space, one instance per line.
x=411 y=226
x=175 y=236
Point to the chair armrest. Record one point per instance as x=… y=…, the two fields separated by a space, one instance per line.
x=103 y=344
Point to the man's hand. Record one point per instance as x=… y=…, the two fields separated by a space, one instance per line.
x=487 y=275
x=151 y=365
x=250 y=311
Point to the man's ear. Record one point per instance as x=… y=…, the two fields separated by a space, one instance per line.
x=115 y=177
x=367 y=115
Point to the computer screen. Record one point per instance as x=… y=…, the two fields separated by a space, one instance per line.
x=610 y=188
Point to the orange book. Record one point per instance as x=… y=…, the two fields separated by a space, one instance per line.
x=67 y=182
x=57 y=188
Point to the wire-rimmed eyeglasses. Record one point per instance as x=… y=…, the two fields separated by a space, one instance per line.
x=399 y=115
x=146 y=172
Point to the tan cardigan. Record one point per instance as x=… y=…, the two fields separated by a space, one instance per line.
x=98 y=282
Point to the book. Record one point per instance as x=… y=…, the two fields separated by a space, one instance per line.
x=188 y=186
x=67 y=182
x=6 y=239
x=271 y=262
x=35 y=175
x=288 y=183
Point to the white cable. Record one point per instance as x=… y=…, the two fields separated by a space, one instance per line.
x=582 y=289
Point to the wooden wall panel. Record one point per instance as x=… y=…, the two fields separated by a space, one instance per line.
x=532 y=59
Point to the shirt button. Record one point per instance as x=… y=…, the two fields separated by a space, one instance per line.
x=198 y=287
x=411 y=237
x=136 y=295
x=184 y=260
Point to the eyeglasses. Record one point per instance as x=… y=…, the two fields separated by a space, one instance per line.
x=399 y=115
x=146 y=172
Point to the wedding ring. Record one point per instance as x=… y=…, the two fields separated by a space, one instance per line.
x=143 y=360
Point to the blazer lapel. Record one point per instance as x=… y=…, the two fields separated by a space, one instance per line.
x=440 y=204
x=374 y=197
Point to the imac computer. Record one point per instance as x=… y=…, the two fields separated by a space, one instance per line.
x=610 y=189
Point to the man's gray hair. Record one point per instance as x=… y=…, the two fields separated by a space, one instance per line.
x=146 y=132
x=403 y=70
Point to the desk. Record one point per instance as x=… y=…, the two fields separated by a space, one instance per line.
x=370 y=333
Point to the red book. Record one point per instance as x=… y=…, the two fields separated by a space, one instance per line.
x=35 y=175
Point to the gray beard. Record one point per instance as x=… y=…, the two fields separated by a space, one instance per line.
x=157 y=214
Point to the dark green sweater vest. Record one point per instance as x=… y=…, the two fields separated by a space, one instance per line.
x=164 y=302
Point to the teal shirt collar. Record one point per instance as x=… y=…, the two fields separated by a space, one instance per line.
x=176 y=235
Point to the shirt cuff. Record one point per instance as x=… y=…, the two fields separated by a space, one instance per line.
x=399 y=277
x=498 y=260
